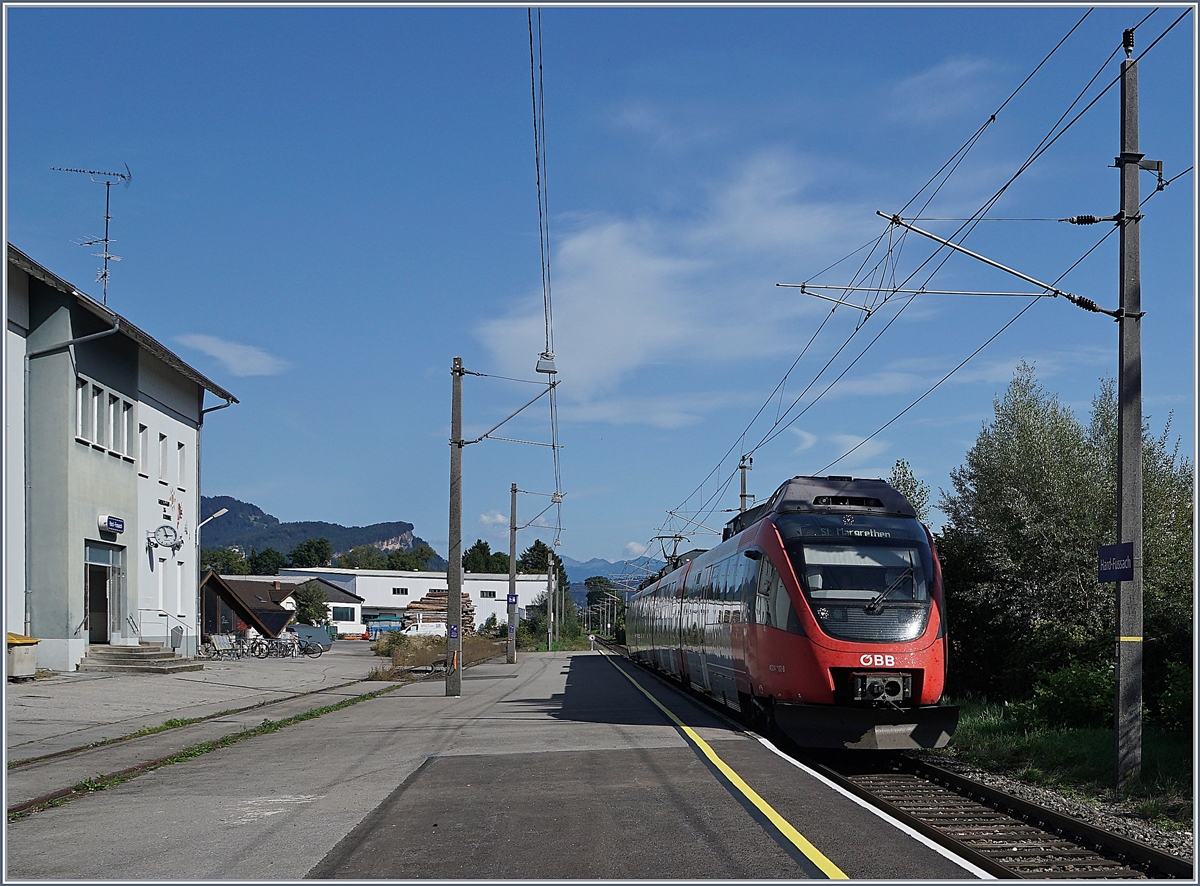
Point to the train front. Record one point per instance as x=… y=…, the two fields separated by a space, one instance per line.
x=871 y=613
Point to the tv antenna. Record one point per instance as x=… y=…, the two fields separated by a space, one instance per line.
x=109 y=179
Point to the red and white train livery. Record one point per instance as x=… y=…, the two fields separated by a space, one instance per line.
x=821 y=611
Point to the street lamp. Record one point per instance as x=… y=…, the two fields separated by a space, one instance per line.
x=213 y=516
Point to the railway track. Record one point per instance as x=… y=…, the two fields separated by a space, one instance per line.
x=1007 y=836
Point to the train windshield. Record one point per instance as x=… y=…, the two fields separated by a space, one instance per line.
x=865 y=578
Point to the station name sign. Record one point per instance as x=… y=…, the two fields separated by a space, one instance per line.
x=1116 y=563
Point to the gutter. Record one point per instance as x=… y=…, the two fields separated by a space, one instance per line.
x=29 y=355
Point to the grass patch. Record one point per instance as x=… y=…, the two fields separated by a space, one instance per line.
x=104 y=782
x=173 y=723
x=1077 y=762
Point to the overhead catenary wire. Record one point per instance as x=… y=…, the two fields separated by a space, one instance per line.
x=1052 y=136
x=538 y=97
x=952 y=165
x=974 y=353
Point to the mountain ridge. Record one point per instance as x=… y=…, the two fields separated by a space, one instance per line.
x=249 y=526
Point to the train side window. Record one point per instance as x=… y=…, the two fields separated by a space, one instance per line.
x=773 y=604
x=747 y=587
x=762 y=599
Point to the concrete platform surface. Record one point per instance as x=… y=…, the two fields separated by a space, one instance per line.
x=558 y=767
x=72 y=710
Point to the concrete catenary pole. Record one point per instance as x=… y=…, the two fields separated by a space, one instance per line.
x=747 y=464
x=550 y=606
x=454 y=554
x=1128 y=717
x=512 y=579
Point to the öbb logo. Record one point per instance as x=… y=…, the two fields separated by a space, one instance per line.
x=879 y=661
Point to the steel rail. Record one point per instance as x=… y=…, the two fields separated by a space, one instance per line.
x=1093 y=852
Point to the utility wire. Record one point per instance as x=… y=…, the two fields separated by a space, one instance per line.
x=538 y=94
x=1018 y=316
x=955 y=160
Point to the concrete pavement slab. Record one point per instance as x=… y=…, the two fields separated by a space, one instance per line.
x=45 y=778
x=575 y=759
x=74 y=710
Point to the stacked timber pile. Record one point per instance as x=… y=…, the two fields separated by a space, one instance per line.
x=432 y=607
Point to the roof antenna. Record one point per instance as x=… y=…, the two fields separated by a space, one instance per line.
x=109 y=179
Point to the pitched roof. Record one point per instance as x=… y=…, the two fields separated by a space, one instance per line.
x=143 y=339
x=251 y=602
x=280 y=587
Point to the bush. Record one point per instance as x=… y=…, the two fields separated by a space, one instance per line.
x=390 y=642
x=1175 y=704
x=1078 y=696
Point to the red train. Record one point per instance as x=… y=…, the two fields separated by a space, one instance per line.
x=821 y=612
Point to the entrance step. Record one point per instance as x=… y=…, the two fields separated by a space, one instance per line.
x=147 y=658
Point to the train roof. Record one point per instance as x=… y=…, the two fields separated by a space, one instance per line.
x=833 y=494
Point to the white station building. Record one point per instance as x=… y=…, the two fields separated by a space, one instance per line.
x=101 y=475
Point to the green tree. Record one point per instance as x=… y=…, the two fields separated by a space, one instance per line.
x=311 y=552
x=536 y=559
x=1031 y=505
x=416 y=560
x=478 y=557
x=499 y=563
x=267 y=562
x=363 y=557
x=916 y=491
x=310 y=603
x=598 y=586
x=224 y=561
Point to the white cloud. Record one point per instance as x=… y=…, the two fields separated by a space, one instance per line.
x=865 y=452
x=806 y=439
x=238 y=359
x=635 y=549
x=950 y=87
x=493 y=522
x=634 y=293
x=763 y=209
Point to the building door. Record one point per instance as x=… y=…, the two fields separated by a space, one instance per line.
x=97 y=603
x=104 y=591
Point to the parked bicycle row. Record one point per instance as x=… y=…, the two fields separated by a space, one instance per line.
x=227 y=647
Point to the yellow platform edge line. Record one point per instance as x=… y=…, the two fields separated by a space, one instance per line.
x=811 y=852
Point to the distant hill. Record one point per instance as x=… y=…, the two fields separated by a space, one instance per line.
x=578 y=570
x=248 y=526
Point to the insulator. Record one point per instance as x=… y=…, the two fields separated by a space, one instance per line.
x=1084 y=219
x=1127 y=40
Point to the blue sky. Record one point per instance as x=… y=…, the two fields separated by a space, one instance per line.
x=329 y=204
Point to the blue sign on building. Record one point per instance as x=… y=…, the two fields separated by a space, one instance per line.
x=1116 y=563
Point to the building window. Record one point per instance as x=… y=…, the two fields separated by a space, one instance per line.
x=180 y=469
x=343 y=613
x=127 y=421
x=400 y=592
x=487 y=595
x=97 y=431
x=179 y=585
x=116 y=425
x=81 y=409
x=144 y=450
x=162 y=458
